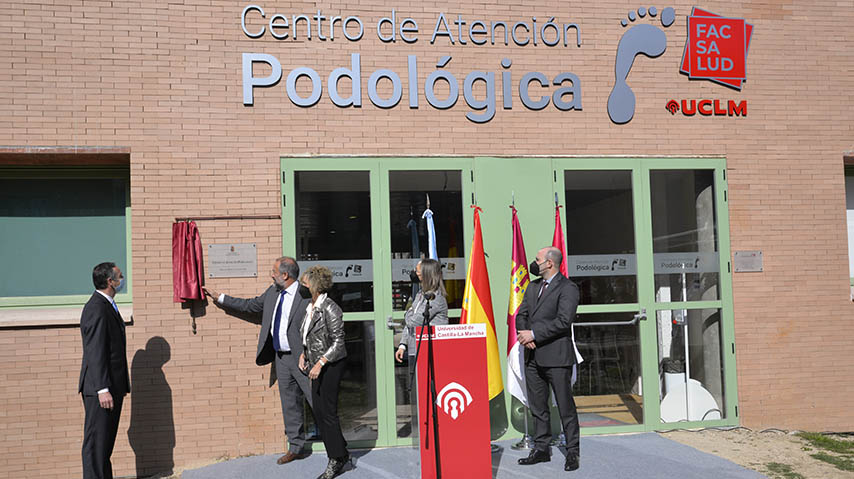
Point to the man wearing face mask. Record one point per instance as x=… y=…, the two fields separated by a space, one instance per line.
x=544 y=327
x=104 y=379
x=282 y=308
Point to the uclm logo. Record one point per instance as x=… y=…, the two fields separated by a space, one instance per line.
x=715 y=50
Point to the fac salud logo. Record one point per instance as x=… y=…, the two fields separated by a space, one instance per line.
x=716 y=48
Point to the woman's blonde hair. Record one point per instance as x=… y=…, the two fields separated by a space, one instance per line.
x=319 y=279
x=431 y=277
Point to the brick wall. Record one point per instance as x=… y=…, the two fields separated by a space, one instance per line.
x=164 y=79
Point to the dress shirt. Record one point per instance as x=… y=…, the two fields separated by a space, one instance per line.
x=288 y=301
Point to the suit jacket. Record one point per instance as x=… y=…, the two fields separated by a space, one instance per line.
x=324 y=332
x=550 y=317
x=105 y=363
x=265 y=304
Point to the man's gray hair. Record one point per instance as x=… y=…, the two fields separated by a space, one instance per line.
x=289 y=265
x=555 y=256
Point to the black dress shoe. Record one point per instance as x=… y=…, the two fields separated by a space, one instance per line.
x=572 y=462
x=335 y=467
x=536 y=456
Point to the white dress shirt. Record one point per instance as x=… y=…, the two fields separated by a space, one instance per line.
x=288 y=301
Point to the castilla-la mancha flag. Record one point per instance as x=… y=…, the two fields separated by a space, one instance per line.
x=477 y=306
x=519 y=281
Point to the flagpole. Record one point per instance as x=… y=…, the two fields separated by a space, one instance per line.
x=517 y=289
x=527 y=442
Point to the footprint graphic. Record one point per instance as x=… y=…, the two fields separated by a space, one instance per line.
x=641 y=38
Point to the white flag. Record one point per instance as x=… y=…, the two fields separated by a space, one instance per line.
x=431 y=235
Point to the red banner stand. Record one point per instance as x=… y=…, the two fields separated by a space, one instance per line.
x=459 y=356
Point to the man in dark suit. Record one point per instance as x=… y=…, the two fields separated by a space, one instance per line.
x=282 y=309
x=544 y=327
x=104 y=378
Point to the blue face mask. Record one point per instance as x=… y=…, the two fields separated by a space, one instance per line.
x=121 y=286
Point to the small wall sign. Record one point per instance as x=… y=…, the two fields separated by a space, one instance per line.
x=233 y=260
x=748 y=261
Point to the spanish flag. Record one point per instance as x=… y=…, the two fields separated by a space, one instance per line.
x=477 y=306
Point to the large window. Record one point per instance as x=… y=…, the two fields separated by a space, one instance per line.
x=849 y=207
x=56 y=225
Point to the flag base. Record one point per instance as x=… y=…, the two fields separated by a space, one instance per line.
x=527 y=442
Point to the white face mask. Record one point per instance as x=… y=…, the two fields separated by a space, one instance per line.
x=121 y=286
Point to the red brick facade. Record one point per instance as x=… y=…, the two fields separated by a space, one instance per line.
x=163 y=81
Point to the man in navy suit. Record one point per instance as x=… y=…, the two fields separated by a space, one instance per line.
x=544 y=327
x=282 y=310
x=104 y=378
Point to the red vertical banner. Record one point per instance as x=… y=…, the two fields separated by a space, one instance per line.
x=559 y=242
x=462 y=403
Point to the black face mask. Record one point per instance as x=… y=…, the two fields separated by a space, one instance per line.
x=304 y=291
x=534 y=268
x=413 y=277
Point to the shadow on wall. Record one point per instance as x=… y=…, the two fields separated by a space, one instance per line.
x=152 y=426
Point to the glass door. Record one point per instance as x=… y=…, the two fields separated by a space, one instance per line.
x=691 y=277
x=602 y=209
x=406 y=187
x=648 y=246
x=329 y=218
x=362 y=218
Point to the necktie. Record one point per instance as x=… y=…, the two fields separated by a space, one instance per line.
x=115 y=306
x=277 y=321
x=543 y=289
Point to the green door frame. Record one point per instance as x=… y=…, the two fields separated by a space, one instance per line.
x=478 y=170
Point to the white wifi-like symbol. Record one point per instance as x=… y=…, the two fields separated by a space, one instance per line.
x=453 y=399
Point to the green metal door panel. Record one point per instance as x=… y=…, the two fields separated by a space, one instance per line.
x=496 y=181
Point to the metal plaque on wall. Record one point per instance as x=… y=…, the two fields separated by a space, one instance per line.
x=237 y=260
x=748 y=261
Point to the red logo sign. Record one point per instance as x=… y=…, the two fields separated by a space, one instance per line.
x=716 y=48
x=707 y=107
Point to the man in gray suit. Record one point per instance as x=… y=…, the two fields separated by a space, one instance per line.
x=544 y=327
x=282 y=309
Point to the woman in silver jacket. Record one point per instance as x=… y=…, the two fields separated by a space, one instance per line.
x=323 y=359
x=429 y=272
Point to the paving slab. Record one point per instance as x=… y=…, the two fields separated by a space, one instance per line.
x=635 y=456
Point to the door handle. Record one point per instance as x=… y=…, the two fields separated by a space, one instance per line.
x=641 y=316
x=390 y=323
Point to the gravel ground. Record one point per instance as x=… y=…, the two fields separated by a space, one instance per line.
x=775 y=453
